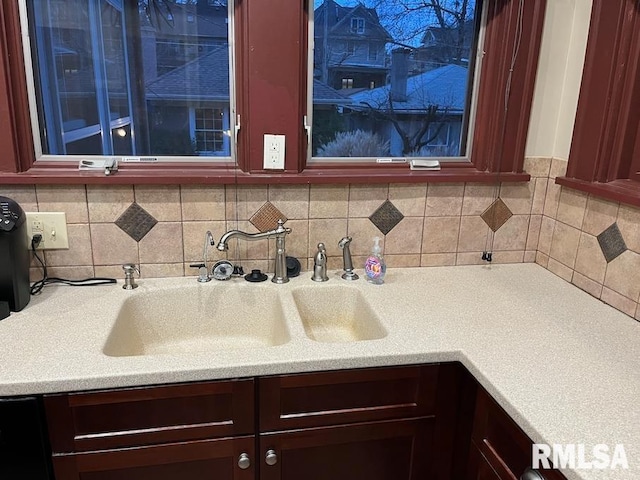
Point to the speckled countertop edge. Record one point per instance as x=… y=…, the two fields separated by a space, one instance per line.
x=564 y=365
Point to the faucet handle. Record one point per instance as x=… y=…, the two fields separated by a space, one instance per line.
x=129 y=280
x=203 y=272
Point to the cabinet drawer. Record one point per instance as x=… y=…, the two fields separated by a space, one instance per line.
x=332 y=398
x=143 y=416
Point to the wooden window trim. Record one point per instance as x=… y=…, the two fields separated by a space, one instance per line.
x=605 y=151
x=269 y=68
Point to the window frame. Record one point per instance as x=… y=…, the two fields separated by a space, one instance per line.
x=604 y=158
x=271 y=77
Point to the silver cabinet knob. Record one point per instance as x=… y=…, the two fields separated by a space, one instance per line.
x=244 y=461
x=271 y=458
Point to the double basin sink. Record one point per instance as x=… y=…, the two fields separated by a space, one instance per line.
x=228 y=317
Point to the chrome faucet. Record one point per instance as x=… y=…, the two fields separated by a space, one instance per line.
x=320 y=265
x=203 y=268
x=279 y=233
x=348 y=274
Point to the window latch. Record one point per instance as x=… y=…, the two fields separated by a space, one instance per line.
x=307 y=128
x=236 y=130
x=109 y=165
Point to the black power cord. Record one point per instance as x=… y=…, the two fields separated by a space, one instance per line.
x=38 y=285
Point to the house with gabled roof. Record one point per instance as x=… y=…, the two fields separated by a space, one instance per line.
x=419 y=115
x=349 y=45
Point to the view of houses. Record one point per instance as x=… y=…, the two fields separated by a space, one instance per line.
x=118 y=78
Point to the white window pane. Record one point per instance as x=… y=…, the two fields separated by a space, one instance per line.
x=133 y=72
x=392 y=77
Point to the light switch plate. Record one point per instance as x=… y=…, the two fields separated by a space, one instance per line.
x=273 y=152
x=52 y=226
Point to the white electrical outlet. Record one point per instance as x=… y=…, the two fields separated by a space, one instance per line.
x=52 y=226
x=274 y=152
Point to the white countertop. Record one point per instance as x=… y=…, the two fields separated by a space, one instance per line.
x=564 y=365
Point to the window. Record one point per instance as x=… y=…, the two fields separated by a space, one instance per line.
x=605 y=150
x=93 y=98
x=357 y=25
x=347 y=83
x=272 y=84
x=413 y=100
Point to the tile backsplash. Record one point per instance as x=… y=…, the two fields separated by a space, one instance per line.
x=426 y=224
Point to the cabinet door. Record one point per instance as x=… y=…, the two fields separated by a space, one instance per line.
x=391 y=450
x=200 y=460
x=480 y=469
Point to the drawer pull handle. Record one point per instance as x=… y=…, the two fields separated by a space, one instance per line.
x=244 y=461
x=531 y=474
x=271 y=458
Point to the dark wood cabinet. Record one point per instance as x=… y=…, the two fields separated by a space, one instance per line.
x=500 y=450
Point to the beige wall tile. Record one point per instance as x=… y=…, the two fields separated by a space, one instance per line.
x=552 y=199
x=513 y=234
x=537 y=166
x=618 y=301
x=530 y=256
x=444 y=199
x=206 y=202
x=571 y=207
x=291 y=200
x=111 y=246
x=599 y=215
x=539 y=195
x=162 y=270
x=402 y=261
x=410 y=199
x=107 y=202
x=161 y=201
x=542 y=259
x=79 y=251
x=564 y=246
x=473 y=234
x=193 y=235
x=365 y=199
x=638 y=313
x=477 y=198
x=77 y=272
x=558 y=168
x=25 y=195
x=70 y=199
x=440 y=234
x=623 y=275
x=533 y=235
x=629 y=225
x=518 y=196
x=437 y=259
x=560 y=270
x=328 y=201
x=111 y=271
x=590 y=261
x=405 y=238
x=330 y=232
x=362 y=230
x=547 y=227
x=163 y=244
x=244 y=200
x=469 y=258
x=509 y=256
x=584 y=283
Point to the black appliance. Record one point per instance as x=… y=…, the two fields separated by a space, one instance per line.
x=24 y=446
x=14 y=255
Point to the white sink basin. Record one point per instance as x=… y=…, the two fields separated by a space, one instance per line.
x=199 y=318
x=337 y=314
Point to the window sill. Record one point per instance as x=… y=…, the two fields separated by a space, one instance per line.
x=624 y=191
x=193 y=173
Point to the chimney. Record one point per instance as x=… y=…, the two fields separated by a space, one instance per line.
x=399 y=73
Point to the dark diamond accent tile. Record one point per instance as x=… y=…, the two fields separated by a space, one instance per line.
x=266 y=218
x=496 y=215
x=386 y=217
x=136 y=222
x=611 y=243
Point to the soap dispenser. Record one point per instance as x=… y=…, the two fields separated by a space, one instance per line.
x=375 y=267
